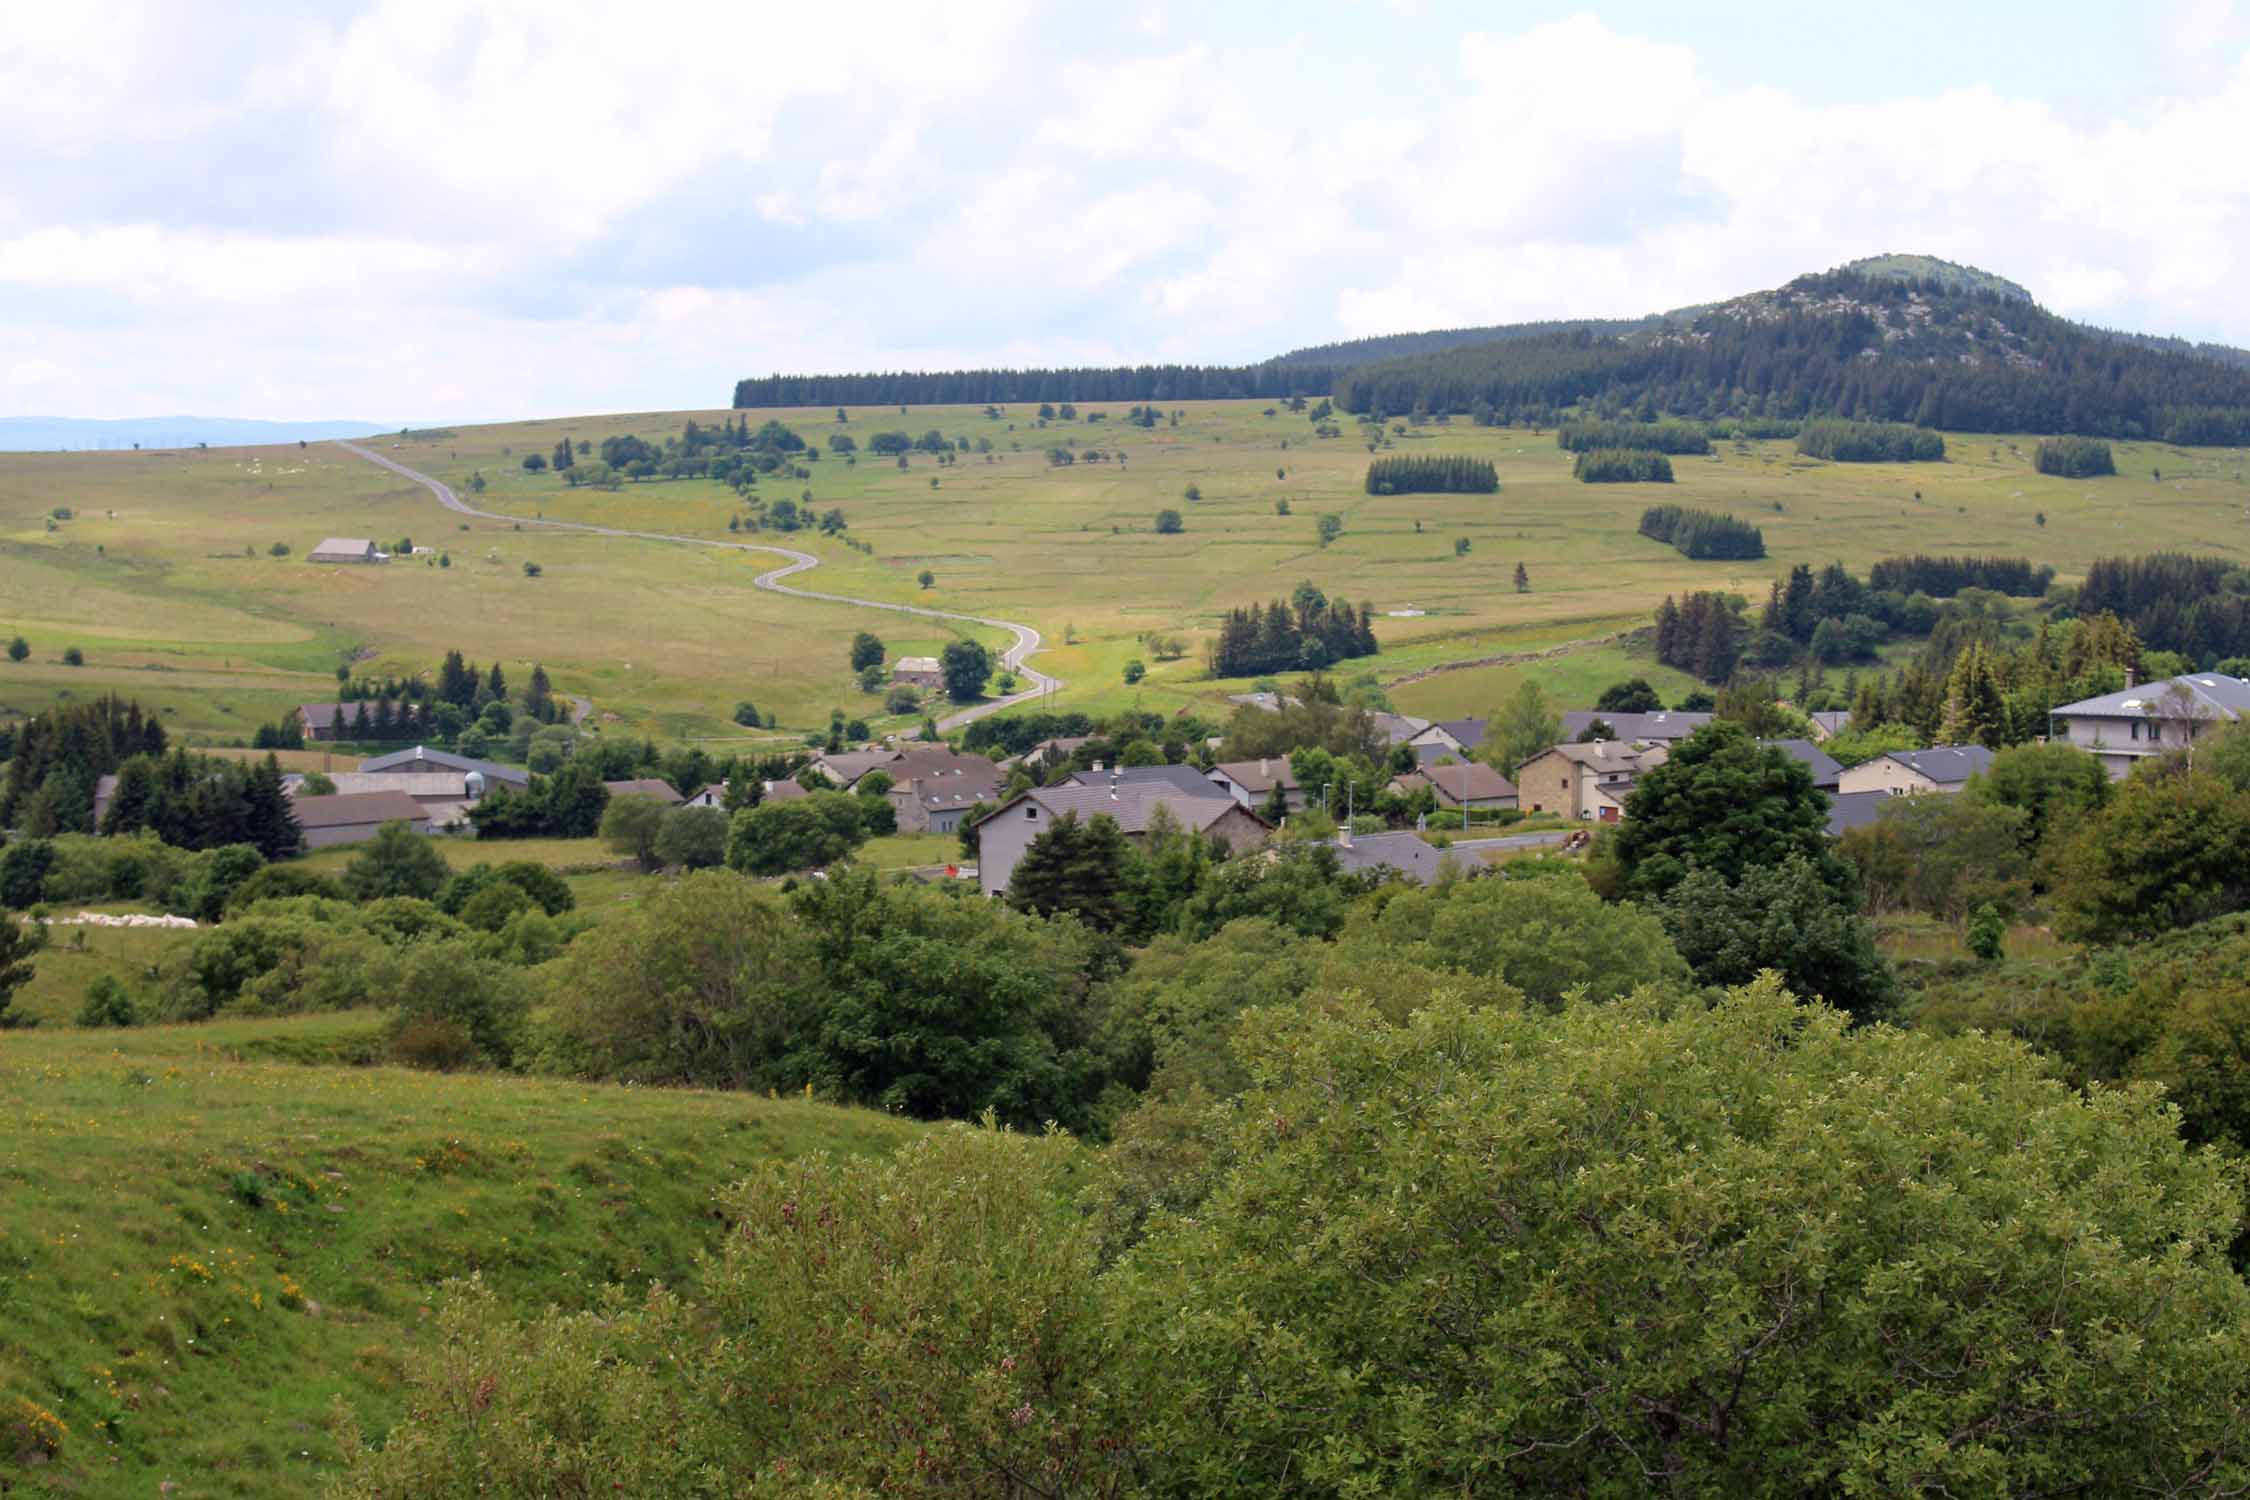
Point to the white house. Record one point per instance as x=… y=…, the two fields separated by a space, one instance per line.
x=2126 y=726
x=1941 y=768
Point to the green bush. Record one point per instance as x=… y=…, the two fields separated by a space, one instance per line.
x=107 y=1004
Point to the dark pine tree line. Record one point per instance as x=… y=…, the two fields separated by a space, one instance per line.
x=1622 y=466
x=1655 y=437
x=2074 y=457
x=1702 y=534
x=1870 y=443
x=1141 y=383
x=1701 y=635
x=1304 y=633
x=1432 y=474
x=1943 y=577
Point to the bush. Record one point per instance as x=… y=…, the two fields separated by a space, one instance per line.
x=396 y=862
x=693 y=838
x=107 y=1004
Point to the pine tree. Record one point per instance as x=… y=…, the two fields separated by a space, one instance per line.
x=1668 y=632
x=272 y=822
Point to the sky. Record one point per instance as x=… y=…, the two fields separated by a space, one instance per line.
x=465 y=210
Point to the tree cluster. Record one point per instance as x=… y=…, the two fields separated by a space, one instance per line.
x=1622 y=466
x=1307 y=632
x=1870 y=442
x=2074 y=457
x=1432 y=474
x=1701 y=533
x=2196 y=606
x=1943 y=577
x=1655 y=437
x=59 y=755
x=1701 y=635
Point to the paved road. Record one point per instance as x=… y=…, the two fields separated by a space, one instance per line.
x=1013 y=659
x=1517 y=840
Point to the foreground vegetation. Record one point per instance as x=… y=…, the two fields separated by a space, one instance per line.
x=205 y=1248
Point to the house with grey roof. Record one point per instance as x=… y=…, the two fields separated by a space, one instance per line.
x=1004 y=834
x=1186 y=780
x=1664 y=727
x=1251 y=782
x=2123 y=728
x=1942 y=768
x=1466 y=785
x=1827 y=724
x=1589 y=780
x=1825 y=772
x=934 y=788
x=1459 y=736
x=1849 y=810
x=845 y=767
x=1398 y=729
x=1405 y=855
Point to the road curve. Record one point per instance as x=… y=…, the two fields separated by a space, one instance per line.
x=1013 y=659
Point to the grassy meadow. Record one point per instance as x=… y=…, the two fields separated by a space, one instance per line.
x=151 y=577
x=204 y=1254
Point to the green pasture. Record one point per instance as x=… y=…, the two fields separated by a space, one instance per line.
x=203 y=1255
x=150 y=580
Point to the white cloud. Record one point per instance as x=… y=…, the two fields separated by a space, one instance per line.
x=527 y=207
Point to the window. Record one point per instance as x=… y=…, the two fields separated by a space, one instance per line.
x=1031 y=809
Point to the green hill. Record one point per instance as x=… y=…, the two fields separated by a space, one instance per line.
x=201 y=1254
x=1930 y=270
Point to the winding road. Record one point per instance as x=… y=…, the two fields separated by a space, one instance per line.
x=1013 y=659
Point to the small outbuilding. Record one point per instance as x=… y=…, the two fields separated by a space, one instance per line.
x=344 y=549
x=918 y=671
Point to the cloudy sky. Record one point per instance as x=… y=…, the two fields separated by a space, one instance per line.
x=448 y=210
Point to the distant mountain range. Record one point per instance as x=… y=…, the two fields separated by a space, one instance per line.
x=50 y=434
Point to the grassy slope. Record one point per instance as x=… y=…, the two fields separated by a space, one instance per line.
x=666 y=639
x=185 y=1335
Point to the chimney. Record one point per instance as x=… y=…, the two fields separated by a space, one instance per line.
x=1263 y=765
x=1344 y=835
x=1097 y=768
x=2132 y=677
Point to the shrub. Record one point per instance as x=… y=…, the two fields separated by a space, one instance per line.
x=107 y=1004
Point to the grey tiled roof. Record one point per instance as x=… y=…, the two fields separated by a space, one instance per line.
x=1823 y=766
x=1853 y=809
x=1404 y=852
x=1666 y=725
x=2219 y=698
x=1945 y=764
x=1186 y=780
x=423 y=758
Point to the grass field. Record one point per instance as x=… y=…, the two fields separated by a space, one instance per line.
x=201 y=1255
x=151 y=579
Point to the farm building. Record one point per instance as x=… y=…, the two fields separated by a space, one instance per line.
x=918 y=671
x=350 y=817
x=344 y=549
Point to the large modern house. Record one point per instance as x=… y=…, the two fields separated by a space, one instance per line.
x=2123 y=727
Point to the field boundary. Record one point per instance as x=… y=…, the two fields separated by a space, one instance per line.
x=1509 y=658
